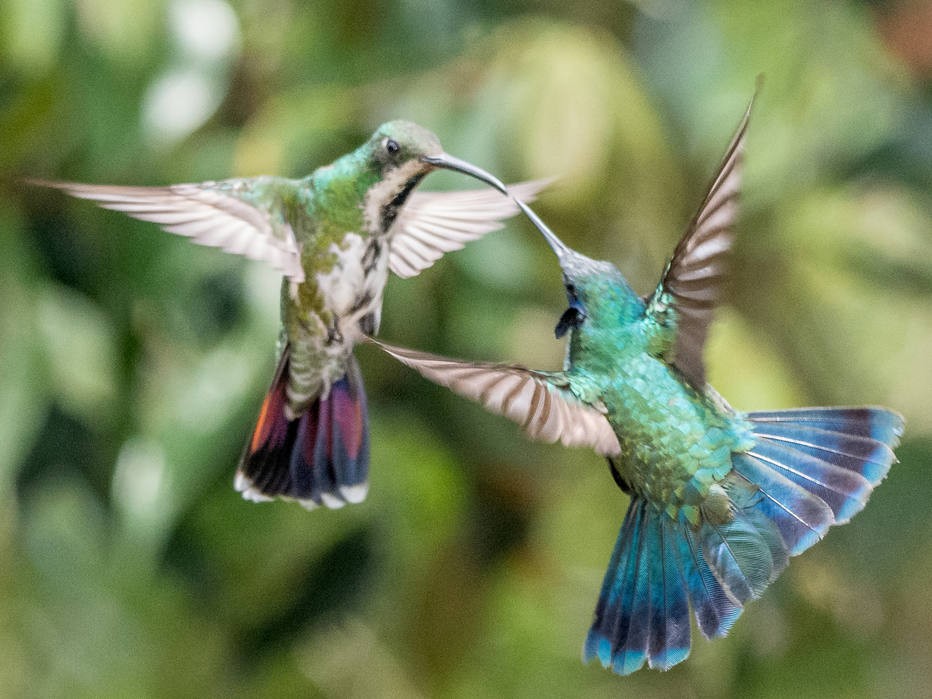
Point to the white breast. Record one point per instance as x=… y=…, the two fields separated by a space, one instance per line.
x=342 y=286
x=351 y=291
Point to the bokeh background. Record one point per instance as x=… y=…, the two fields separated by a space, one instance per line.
x=132 y=363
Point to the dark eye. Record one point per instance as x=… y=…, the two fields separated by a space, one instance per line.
x=572 y=317
x=392 y=146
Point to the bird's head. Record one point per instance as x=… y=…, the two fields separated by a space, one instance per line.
x=404 y=151
x=590 y=284
x=398 y=156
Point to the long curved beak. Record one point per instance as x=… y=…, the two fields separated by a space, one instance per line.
x=555 y=243
x=448 y=162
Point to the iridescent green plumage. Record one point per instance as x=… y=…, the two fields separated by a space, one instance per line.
x=670 y=450
x=720 y=500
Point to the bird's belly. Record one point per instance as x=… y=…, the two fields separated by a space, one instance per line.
x=330 y=313
x=675 y=443
x=352 y=288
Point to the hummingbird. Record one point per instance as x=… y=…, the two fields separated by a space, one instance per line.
x=334 y=235
x=719 y=499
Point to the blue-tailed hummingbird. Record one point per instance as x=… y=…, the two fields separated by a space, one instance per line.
x=334 y=235
x=719 y=499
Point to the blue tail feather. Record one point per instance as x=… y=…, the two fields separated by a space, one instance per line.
x=643 y=610
x=622 y=655
x=809 y=469
x=801 y=517
x=745 y=553
x=616 y=594
x=632 y=648
x=843 y=490
x=864 y=455
x=837 y=454
x=715 y=609
x=669 y=645
x=633 y=628
x=879 y=424
x=747 y=504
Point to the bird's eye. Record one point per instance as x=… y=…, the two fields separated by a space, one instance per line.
x=391 y=145
x=572 y=317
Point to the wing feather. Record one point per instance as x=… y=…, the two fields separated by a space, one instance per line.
x=433 y=223
x=538 y=401
x=211 y=214
x=692 y=281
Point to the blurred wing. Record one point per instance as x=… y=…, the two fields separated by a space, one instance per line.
x=432 y=223
x=210 y=214
x=692 y=281
x=538 y=401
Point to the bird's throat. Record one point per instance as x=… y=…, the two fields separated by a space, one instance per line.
x=390 y=211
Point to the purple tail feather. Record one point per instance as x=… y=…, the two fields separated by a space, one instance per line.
x=319 y=458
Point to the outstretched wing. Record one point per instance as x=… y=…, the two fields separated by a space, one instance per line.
x=216 y=214
x=433 y=223
x=539 y=401
x=692 y=281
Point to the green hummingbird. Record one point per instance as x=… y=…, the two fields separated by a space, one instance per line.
x=334 y=235
x=719 y=499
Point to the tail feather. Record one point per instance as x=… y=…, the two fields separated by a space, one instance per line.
x=879 y=424
x=609 y=632
x=614 y=611
x=319 y=458
x=350 y=435
x=633 y=628
x=837 y=454
x=863 y=455
x=808 y=470
x=643 y=611
x=801 y=517
x=746 y=553
x=843 y=490
x=715 y=609
x=669 y=644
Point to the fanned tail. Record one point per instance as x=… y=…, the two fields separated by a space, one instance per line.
x=319 y=458
x=809 y=469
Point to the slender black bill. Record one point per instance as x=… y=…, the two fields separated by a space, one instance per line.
x=450 y=163
x=555 y=243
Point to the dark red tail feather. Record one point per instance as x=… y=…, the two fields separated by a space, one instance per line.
x=319 y=458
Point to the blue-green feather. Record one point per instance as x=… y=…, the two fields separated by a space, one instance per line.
x=845 y=491
x=670 y=641
x=608 y=637
x=715 y=610
x=837 y=454
x=643 y=611
x=633 y=629
x=743 y=552
x=856 y=439
x=801 y=517
x=808 y=469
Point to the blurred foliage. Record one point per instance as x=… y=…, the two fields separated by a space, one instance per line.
x=132 y=364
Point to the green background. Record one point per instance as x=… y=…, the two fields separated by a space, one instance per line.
x=132 y=363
